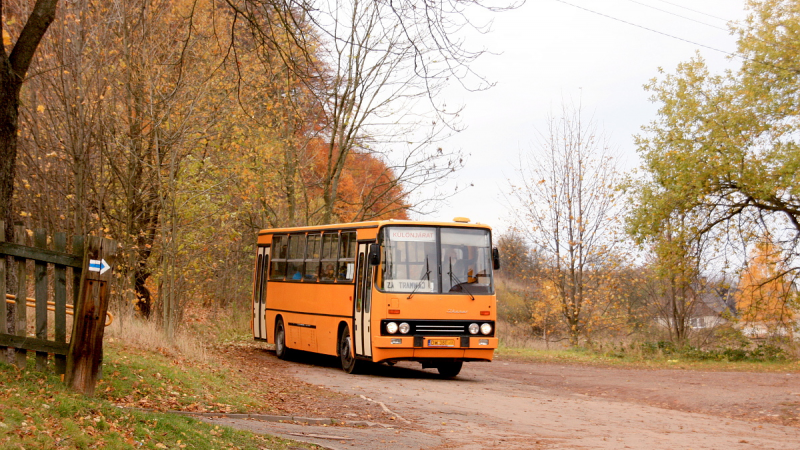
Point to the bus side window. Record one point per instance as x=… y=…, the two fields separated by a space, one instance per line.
x=297 y=244
x=330 y=253
x=359 y=287
x=278 y=268
x=312 y=257
x=257 y=282
x=347 y=256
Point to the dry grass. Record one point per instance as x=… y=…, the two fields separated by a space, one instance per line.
x=139 y=333
x=147 y=335
x=517 y=336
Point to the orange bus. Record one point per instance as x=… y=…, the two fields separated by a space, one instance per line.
x=380 y=291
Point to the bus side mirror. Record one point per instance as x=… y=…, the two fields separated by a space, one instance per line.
x=374 y=254
x=496 y=258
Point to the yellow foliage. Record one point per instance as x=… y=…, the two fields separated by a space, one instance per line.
x=764 y=290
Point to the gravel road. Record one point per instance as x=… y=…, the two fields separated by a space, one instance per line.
x=519 y=405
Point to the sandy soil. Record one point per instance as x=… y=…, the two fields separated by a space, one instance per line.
x=519 y=405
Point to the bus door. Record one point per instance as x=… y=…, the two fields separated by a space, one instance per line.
x=363 y=341
x=260 y=293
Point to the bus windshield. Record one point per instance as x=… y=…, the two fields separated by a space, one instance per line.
x=436 y=260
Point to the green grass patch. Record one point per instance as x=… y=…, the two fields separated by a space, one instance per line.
x=40 y=412
x=635 y=356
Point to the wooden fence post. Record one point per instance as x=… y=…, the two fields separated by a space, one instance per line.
x=86 y=343
x=78 y=248
x=22 y=295
x=40 y=289
x=60 y=297
x=4 y=308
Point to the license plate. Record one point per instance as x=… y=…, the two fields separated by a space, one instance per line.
x=441 y=343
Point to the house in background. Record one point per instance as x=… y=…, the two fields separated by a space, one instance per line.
x=713 y=309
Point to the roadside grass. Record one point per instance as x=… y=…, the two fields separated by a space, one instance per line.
x=145 y=375
x=208 y=367
x=143 y=370
x=634 y=357
x=40 y=412
x=138 y=378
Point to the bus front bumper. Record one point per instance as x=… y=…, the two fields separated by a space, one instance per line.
x=466 y=348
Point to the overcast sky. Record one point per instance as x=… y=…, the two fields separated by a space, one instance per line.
x=553 y=50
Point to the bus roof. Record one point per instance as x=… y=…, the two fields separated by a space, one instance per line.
x=371 y=224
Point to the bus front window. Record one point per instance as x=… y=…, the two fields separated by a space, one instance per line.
x=466 y=261
x=410 y=260
x=431 y=260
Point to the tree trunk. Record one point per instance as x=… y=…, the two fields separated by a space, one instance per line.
x=13 y=68
x=9 y=107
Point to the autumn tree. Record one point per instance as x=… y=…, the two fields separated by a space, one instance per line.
x=517 y=259
x=368 y=190
x=109 y=131
x=276 y=86
x=59 y=149
x=384 y=65
x=674 y=282
x=724 y=147
x=765 y=295
x=526 y=297
x=181 y=127
x=15 y=59
x=567 y=208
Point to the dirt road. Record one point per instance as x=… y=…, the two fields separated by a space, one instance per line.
x=516 y=405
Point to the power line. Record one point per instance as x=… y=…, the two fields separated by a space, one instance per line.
x=764 y=63
x=678 y=15
x=649 y=29
x=694 y=10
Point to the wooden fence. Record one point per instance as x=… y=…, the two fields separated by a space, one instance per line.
x=88 y=265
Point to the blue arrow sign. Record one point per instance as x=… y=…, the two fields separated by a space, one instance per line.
x=98 y=266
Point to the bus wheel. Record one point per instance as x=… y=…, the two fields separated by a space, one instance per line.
x=280 y=340
x=345 y=355
x=449 y=369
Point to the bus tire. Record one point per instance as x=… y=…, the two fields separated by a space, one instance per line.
x=346 y=357
x=449 y=369
x=281 y=351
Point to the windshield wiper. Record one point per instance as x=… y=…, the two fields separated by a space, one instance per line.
x=425 y=275
x=458 y=282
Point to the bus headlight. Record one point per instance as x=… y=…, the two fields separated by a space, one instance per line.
x=405 y=328
x=485 y=328
x=391 y=328
x=473 y=328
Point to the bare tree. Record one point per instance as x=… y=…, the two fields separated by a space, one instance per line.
x=568 y=208
x=373 y=86
x=383 y=65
